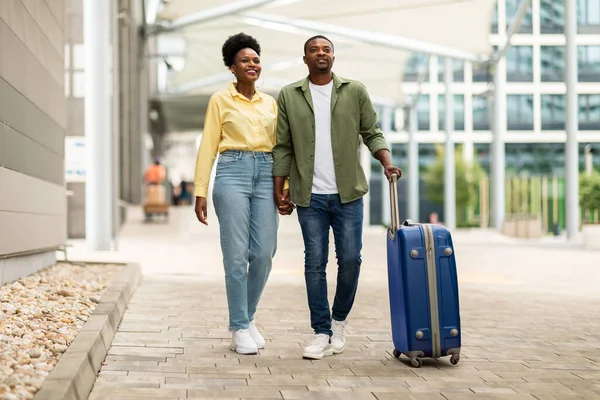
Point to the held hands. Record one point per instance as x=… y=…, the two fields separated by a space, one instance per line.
x=390 y=170
x=284 y=204
x=200 y=210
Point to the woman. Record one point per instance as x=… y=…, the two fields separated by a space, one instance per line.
x=240 y=125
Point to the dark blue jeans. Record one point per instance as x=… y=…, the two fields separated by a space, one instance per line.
x=346 y=220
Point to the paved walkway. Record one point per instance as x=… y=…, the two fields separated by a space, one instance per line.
x=530 y=317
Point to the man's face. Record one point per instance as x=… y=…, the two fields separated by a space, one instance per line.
x=319 y=55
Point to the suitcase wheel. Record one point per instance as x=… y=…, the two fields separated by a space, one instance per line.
x=416 y=362
x=454 y=359
x=396 y=353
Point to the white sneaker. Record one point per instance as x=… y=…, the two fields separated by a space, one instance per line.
x=319 y=348
x=338 y=339
x=242 y=342
x=256 y=336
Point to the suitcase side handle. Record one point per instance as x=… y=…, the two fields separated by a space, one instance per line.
x=394 y=205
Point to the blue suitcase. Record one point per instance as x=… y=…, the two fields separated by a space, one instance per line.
x=423 y=288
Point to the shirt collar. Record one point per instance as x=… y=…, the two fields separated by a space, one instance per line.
x=233 y=91
x=337 y=82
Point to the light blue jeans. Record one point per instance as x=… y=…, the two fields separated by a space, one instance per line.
x=248 y=221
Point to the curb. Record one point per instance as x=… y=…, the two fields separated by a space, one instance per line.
x=74 y=375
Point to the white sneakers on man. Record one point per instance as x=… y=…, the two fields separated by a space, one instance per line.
x=338 y=339
x=319 y=348
x=243 y=343
x=256 y=336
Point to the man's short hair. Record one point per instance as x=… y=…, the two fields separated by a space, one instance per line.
x=317 y=37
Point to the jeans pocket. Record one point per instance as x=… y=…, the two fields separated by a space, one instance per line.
x=227 y=159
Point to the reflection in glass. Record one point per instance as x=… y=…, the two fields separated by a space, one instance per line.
x=511 y=10
x=458 y=67
x=519 y=64
x=519 y=112
x=552 y=16
x=589 y=112
x=589 y=63
x=588 y=16
x=552 y=63
x=415 y=65
x=481 y=114
x=459 y=112
x=422 y=107
x=553 y=112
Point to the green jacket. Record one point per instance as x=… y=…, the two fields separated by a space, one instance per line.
x=352 y=114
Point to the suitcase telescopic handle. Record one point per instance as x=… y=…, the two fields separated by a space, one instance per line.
x=394 y=204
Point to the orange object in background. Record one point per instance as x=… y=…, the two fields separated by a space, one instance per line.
x=155 y=174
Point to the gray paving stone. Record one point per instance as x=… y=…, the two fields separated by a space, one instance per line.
x=526 y=326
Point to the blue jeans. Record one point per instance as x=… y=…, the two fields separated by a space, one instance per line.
x=248 y=221
x=346 y=220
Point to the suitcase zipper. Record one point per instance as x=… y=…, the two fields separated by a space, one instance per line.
x=433 y=292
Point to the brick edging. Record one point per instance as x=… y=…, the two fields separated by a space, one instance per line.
x=74 y=375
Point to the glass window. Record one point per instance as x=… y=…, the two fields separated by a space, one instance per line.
x=552 y=16
x=588 y=16
x=482 y=73
x=589 y=63
x=589 y=112
x=458 y=67
x=519 y=64
x=416 y=64
x=552 y=63
x=481 y=114
x=423 y=112
x=482 y=153
x=459 y=112
x=511 y=10
x=519 y=112
x=553 y=112
x=78 y=56
x=78 y=89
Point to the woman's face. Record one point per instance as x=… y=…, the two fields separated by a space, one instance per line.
x=246 y=66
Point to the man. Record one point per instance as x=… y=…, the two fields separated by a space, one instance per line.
x=155 y=174
x=319 y=124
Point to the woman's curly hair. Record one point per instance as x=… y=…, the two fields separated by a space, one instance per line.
x=235 y=43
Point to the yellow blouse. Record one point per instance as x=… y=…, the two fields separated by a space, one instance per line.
x=234 y=123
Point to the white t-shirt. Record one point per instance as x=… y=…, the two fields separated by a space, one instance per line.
x=324 y=172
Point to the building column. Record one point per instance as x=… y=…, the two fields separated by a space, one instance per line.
x=99 y=192
x=571 y=146
x=386 y=127
x=449 y=164
x=412 y=166
x=498 y=161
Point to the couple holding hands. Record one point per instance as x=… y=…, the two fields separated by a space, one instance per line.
x=299 y=152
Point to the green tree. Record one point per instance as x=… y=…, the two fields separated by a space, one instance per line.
x=467 y=177
x=589 y=191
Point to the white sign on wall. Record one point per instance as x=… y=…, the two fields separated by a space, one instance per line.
x=75 y=159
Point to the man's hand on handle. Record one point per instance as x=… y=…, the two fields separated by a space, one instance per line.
x=390 y=170
x=200 y=209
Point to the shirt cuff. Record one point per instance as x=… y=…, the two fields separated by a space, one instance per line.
x=200 y=191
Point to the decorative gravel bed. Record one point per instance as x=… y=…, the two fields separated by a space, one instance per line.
x=40 y=315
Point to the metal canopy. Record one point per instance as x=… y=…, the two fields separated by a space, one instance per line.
x=373 y=39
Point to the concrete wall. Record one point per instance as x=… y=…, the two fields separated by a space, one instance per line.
x=32 y=128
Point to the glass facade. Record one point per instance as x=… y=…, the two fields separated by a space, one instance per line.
x=423 y=112
x=588 y=61
x=552 y=16
x=552 y=64
x=519 y=112
x=416 y=65
x=481 y=114
x=511 y=10
x=459 y=112
x=553 y=112
x=519 y=64
x=588 y=16
x=589 y=112
x=458 y=67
